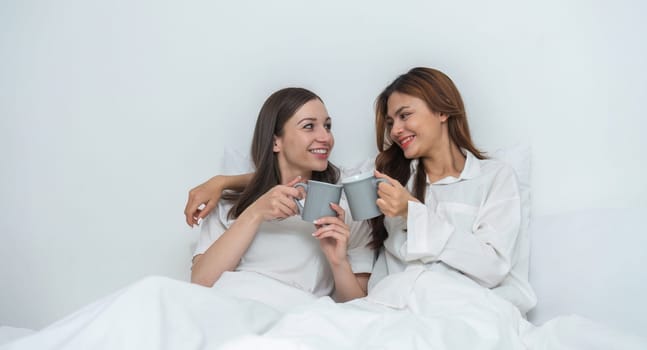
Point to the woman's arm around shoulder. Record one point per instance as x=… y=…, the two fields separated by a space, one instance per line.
x=203 y=198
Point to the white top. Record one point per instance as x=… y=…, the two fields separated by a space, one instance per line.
x=468 y=224
x=286 y=251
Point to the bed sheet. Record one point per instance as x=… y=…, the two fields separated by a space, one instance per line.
x=417 y=309
x=9 y=334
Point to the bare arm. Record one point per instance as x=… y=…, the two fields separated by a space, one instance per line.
x=333 y=234
x=208 y=194
x=225 y=253
x=349 y=286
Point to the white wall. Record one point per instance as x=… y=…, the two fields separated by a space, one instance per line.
x=110 y=111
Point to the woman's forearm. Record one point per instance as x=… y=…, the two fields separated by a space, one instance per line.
x=233 y=182
x=225 y=253
x=348 y=285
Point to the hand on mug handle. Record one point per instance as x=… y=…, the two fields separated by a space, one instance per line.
x=304 y=188
x=393 y=197
x=279 y=202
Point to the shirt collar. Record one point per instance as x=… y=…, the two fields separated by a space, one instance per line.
x=471 y=169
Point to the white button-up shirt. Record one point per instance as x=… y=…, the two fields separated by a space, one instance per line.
x=468 y=224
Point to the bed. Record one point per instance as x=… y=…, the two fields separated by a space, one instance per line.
x=585 y=267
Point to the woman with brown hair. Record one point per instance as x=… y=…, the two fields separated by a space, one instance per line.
x=446 y=206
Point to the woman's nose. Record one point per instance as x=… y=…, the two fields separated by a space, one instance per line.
x=396 y=128
x=323 y=135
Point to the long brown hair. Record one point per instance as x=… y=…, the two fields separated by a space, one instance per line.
x=276 y=111
x=440 y=94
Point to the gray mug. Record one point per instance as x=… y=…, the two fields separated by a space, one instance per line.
x=319 y=195
x=361 y=193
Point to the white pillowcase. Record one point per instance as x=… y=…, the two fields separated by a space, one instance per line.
x=236 y=162
x=518 y=157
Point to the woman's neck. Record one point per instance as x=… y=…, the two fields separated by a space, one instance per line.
x=443 y=161
x=289 y=172
x=289 y=175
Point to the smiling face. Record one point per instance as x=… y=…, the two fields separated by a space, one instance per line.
x=413 y=126
x=305 y=142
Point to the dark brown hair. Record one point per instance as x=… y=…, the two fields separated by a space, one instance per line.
x=440 y=94
x=276 y=111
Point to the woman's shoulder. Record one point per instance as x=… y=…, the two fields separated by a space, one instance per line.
x=221 y=213
x=499 y=175
x=495 y=166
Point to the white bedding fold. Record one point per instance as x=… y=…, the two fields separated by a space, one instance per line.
x=438 y=310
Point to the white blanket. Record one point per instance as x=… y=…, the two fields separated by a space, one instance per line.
x=413 y=310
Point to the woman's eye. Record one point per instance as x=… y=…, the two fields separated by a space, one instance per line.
x=404 y=115
x=308 y=126
x=389 y=123
x=328 y=126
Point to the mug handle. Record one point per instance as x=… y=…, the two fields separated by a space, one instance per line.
x=377 y=182
x=305 y=188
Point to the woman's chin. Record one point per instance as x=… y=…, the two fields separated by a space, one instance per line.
x=321 y=166
x=409 y=154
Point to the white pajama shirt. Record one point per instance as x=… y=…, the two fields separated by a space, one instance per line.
x=468 y=224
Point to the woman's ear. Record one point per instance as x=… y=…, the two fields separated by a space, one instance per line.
x=443 y=117
x=277 y=144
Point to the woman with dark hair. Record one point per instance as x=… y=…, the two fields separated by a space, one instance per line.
x=256 y=231
x=446 y=206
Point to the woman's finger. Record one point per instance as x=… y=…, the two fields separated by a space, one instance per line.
x=206 y=210
x=384 y=190
x=341 y=213
x=384 y=206
x=191 y=210
x=291 y=192
x=294 y=181
x=392 y=181
x=283 y=211
x=323 y=233
x=328 y=220
x=343 y=230
x=291 y=204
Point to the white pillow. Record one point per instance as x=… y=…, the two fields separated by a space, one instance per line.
x=515 y=288
x=235 y=161
x=518 y=157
